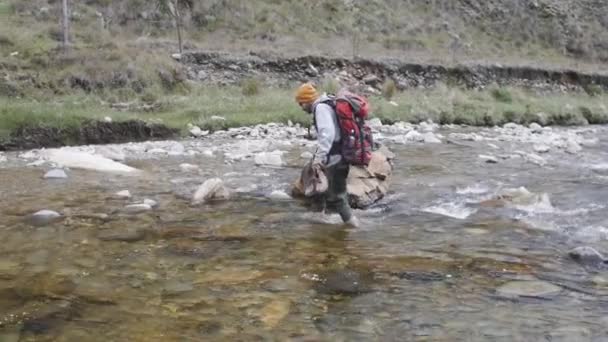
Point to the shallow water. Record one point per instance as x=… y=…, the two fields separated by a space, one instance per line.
x=425 y=265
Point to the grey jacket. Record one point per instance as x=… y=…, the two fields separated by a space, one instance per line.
x=328 y=131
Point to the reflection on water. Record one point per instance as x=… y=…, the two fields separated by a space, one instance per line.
x=255 y=269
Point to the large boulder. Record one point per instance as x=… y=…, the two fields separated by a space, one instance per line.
x=365 y=185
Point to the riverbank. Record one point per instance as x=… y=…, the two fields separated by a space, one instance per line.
x=82 y=118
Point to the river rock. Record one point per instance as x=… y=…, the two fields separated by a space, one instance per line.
x=157 y=150
x=269 y=158
x=113 y=153
x=83 y=160
x=365 y=186
x=176 y=149
x=122 y=234
x=488 y=158
x=44 y=217
x=279 y=195
x=306 y=155
x=535 y=128
x=533 y=289
x=55 y=174
x=138 y=208
x=343 y=281
x=535 y=159
x=572 y=147
x=601 y=169
x=124 y=194
x=541 y=148
x=587 y=256
x=152 y=203
x=431 y=138
x=197 y=132
x=414 y=136
x=211 y=190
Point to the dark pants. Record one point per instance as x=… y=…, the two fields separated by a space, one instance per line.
x=337 y=197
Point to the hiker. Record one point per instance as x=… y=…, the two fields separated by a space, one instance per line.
x=328 y=156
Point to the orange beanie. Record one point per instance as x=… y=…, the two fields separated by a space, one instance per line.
x=306 y=94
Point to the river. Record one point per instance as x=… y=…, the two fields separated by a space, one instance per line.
x=445 y=256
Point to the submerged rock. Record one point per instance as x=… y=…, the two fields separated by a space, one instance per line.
x=44 y=217
x=211 y=190
x=532 y=289
x=269 y=158
x=83 y=160
x=138 y=208
x=343 y=281
x=587 y=256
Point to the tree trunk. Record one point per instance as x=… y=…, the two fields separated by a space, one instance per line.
x=65 y=24
x=178 y=25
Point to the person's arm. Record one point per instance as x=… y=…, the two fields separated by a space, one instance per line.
x=326 y=132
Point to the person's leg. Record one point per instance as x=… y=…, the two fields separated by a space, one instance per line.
x=337 y=195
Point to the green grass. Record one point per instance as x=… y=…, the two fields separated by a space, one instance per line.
x=442 y=104
x=484 y=108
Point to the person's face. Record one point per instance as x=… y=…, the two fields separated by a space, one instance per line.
x=307 y=107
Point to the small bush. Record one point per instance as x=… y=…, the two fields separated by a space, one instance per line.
x=502 y=95
x=594 y=89
x=149 y=98
x=446 y=118
x=250 y=87
x=511 y=116
x=331 y=85
x=389 y=88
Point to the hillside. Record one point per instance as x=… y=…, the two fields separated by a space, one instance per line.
x=479 y=62
x=126 y=42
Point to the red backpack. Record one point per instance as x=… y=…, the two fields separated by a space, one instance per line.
x=356 y=136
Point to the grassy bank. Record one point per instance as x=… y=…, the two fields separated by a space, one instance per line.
x=489 y=107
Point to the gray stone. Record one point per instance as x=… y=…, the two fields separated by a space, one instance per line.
x=587 y=256
x=269 y=159
x=488 y=158
x=279 y=195
x=535 y=128
x=152 y=203
x=55 y=174
x=124 y=194
x=44 y=217
x=211 y=190
x=138 y=208
x=541 y=148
